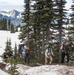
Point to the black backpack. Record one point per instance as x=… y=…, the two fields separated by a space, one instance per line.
x=67 y=48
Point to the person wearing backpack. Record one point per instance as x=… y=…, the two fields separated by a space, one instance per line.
x=27 y=55
x=48 y=55
x=23 y=53
x=65 y=47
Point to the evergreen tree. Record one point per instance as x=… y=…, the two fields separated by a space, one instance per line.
x=13 y=68
x=15 y=52
x=59 y=21
x=26 y=19
x=42 y=23
x=71 y=28
x=12 y=28
x=8 y=45
x=3 y=24
x=72 y=14
x=9 y=25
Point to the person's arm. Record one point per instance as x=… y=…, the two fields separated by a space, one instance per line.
x=46 y=53
x=61 y=47
x=52 y=53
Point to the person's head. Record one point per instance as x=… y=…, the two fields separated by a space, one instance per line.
x=46 y=46
x=67 y=41
x=27 y=48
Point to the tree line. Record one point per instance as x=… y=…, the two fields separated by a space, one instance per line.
x=6 y=25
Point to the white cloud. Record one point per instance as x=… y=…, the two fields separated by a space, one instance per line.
x=11 y=4
x=11 y=7
x=14 y=2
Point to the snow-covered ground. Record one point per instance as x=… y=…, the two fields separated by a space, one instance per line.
x=43 y=70
x=4 y=35
x=27 y=70
x=3 y=73
x=46 y=70
x=3 y=39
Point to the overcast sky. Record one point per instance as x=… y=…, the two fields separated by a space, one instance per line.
x=8 y=5
x=11 y=4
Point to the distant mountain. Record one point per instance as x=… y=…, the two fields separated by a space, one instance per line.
x=14 y=16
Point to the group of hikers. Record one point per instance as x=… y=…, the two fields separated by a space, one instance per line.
x=64 y=49
x=24 y=52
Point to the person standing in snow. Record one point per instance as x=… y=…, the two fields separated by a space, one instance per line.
x=48 y=54
x=27 y=54
x=20 y=53
x=65 y=47
x=23 y=53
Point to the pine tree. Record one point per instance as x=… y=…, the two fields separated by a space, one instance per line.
x=15 y=50
x=60 y=20
x=9 y=26
x=26 y=19
x=42 y=23
x=8 y=45
x=3 y=24
x=71 y=28
x=16 y=55
x=72 y=14
x=12 y=28
x=13 y=68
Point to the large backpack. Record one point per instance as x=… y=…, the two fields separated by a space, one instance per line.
x=67 y=48
x=49 y=51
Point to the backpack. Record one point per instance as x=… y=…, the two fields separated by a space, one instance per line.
x=65 y=48
x=49 y=51
x=24 y=51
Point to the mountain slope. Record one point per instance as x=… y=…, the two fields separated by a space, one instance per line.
x=14 y=16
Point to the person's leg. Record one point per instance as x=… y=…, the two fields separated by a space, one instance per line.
x=50 y=57
x=62 y=57
x=25 y=59
x=28 y=60
x=20 y=57
x=46 y=60
x=67 y=57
